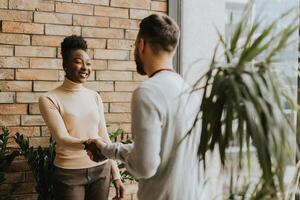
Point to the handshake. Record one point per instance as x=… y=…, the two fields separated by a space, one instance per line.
x=92 y=146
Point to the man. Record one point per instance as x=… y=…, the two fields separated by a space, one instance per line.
x=164 y=111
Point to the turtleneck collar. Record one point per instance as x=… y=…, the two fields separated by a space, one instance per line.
x=71 y=86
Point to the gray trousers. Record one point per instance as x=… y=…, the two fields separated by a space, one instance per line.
x=82 y=184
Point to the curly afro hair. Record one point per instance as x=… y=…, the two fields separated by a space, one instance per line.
x=71 y=43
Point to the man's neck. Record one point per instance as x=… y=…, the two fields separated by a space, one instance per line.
x=158 y=65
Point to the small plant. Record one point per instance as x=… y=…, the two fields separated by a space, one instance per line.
x=125 y=175
x=40 y=161
x=6 y=156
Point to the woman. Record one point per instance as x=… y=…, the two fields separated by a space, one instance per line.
x=74 y=114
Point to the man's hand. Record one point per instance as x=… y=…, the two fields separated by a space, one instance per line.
x=95 y=152
x=99 y=142
x=120 y=189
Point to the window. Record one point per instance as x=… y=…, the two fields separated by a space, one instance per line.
x=199 y=21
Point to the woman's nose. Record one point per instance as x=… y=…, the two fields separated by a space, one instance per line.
x=83 y=66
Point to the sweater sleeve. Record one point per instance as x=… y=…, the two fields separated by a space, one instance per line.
x=143 y=157
x=56 y=125
x=104 y=134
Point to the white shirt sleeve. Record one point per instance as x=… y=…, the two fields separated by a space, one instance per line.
x=143 y=157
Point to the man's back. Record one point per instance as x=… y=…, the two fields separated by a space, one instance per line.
x=175 y=173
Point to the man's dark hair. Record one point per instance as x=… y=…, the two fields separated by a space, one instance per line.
x=70 y=44
x=160 y=31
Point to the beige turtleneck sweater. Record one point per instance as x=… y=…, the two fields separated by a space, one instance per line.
x=74 y=114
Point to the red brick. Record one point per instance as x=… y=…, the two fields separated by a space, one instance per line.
x=26 y=131
x=120 y=44
x=36 y=74
x=159 y=6
x=90 y=52
x=131 y=34
x=96 y=43
x=45 y=131
x=118 y=118
x=102 y=32
x=25 y=188
x=120 y=107
x=28 y=97
x=131 y=55
x=126 y=86
x=82 y=20
x=100 y=86
x=116 y=96
x=111 y=12
x=44 y=86
x=95 y=2
x=39 y=141
x=10 y=86
x=122 y=65
x=74 y=8
x=7 y=74
x=20 y=27
x=34 y=109
x=35 y=5
x=99 y=64
x=29 y=176
x=7 y=97
x=113 y=75
x=43 y=40
x=125 y=126
x=140 y=14
x=19 y=39
x=124 y=23
x=144 y=4
x=55 y=18
x=137 y=77
x=16 y=15
x=3 y=3
x=45 y=63
x=32 y=120
x=62 y=30
x=15 y=177
x=13 y=109
x=10 y=120
x=34 y=51
x=111 y=54
x=6 y=50
x=14 y=62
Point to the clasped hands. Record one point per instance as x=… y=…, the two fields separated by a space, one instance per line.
x=93 y=148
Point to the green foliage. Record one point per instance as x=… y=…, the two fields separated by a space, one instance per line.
x=242 y=104
x=40 y=161
x=6 y=157
x=119 y=133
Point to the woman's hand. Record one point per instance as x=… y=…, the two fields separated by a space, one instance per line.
x=99 y=142
x=120 y=189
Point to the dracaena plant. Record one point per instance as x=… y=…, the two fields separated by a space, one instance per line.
x=118 y=135
x=40 y=161
x=243 y=105
x=6 y=156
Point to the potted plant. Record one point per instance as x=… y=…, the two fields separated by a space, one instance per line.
x=40 y=161
x=242 y=104
x=6 y=156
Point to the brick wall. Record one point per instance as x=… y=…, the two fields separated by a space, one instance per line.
x=30 y=61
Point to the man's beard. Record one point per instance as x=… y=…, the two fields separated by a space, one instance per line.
x=139 y=64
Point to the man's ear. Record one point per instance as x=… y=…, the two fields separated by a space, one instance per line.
x=141 y=45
